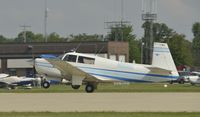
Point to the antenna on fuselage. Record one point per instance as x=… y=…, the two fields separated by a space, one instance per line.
x=99 y=51
x=75 y=49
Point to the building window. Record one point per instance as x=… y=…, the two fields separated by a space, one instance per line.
x=12 y=72
x=86 y=60
x=113 y=57
x=70 y=58
x=122 y=58
x=30 y=72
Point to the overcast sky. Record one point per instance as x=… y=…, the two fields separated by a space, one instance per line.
x=88 y=16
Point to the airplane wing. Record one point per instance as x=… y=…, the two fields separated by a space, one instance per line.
x=68 y=70
x=3 y=75
x=7 y=85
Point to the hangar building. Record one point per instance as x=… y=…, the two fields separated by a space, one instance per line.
x=17 y=58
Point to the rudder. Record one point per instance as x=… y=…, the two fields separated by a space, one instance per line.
x=162 y=58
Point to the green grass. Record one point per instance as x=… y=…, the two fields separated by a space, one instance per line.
x=99 y=114
x=134 y=87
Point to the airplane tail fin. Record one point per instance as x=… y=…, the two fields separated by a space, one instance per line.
x=162 y=58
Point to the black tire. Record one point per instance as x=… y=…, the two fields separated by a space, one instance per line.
x=46 y=85
x=192 y=84
x=171 y=82
x=89 y=88
x=75 y=86
x=182 y=82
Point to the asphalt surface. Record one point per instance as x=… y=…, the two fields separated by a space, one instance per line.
x=84 y=102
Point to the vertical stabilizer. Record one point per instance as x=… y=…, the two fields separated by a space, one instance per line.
x=162 y=58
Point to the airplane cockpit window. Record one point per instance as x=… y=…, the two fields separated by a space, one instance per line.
x=86 y=60
x=70 y=58
x=60 y=57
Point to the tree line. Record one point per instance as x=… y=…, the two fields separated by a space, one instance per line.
x=184 y=52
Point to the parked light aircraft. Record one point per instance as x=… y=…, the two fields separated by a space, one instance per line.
x=195 y=79
x=82 y=68
x=13 y=81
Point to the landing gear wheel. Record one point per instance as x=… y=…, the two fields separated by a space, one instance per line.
x=75 y=86
x=46 y=85
x=181 y=82
x=192 y=84
x=89 y=88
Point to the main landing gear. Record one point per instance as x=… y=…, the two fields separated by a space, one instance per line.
x=75 y=86
x=46 y=84
x=90 y=88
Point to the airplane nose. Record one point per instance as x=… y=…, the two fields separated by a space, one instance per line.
x=39 y=61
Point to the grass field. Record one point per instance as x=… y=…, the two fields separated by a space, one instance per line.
x=99 y=114
x=133 y=87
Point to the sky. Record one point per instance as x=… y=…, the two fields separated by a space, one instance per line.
x=67 y=17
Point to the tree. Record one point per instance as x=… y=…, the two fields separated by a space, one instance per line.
x=196 y=43
x=38 y=38
x=121 y=33
x=85 y=37
x=125 y=32
x=181 y=50
x=162 y=33
x=134 y=51
x=2 y=39
x=54 y=37
x=25 y=36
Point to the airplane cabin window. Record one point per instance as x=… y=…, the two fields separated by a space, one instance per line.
x=70 y=58
x=86 y=60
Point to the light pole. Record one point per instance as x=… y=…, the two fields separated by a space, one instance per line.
x=45 y=21
x=24 y=31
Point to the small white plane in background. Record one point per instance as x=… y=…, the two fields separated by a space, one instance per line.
x=195 y=80
x=90 y=70
x=13 y=81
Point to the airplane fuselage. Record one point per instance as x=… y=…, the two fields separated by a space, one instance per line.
x=107 y=70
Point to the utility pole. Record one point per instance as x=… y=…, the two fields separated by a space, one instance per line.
x=122 y=18
x=45 y=21
x=149 y=15
x=24 y=31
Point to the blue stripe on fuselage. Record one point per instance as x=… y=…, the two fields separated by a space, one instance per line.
x=120 y=78
x=115 y=71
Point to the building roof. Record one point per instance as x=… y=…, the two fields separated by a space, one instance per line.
x=27 y=50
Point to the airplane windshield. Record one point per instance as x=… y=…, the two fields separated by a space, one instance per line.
x=60 y=57
x=70 y=58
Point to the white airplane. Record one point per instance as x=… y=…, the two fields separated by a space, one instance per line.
x=90 y=70
x=13 y=81
x=195 y=79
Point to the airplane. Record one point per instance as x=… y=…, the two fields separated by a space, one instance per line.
x=12 y=81
x=79 y=68
x=195 y=79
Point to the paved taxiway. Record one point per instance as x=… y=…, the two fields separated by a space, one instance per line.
x=82 y=102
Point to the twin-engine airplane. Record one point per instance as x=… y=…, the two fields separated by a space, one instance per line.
x=90 y=70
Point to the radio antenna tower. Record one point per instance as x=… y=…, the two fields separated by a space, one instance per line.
x=45 y=21
x=118 y=25
x=24 y=31
x=149 y=15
